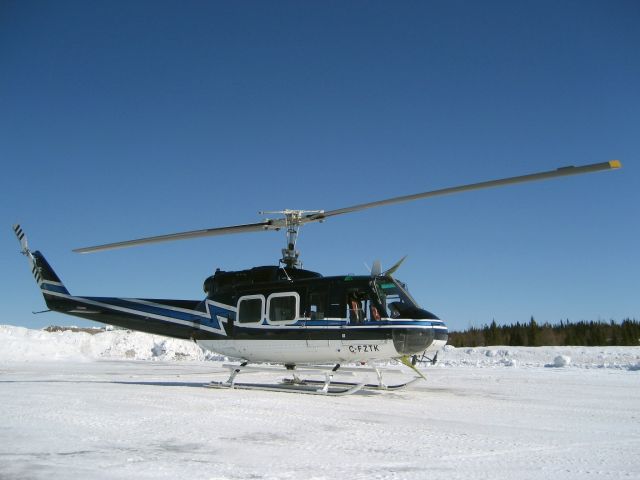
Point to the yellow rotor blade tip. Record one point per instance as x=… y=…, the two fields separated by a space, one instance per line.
x=615 y=164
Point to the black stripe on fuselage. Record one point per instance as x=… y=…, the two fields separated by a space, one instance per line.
x=345 y=333
x=173 y=328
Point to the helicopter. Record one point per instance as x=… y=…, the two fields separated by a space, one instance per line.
x=284 y=314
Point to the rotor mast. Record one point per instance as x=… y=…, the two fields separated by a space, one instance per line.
x=293 y=220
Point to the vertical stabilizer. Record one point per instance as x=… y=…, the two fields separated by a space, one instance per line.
x=46 y=278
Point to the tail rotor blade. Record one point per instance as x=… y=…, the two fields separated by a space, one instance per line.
x=22 y=238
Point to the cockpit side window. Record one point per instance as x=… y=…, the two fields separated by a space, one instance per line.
x=355 y=307
x=362 y=305
x=355 y=300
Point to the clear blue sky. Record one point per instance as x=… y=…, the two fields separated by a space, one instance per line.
x=127 y=119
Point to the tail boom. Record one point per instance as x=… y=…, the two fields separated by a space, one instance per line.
x=172 y=318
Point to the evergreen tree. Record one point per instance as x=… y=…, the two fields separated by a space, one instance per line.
x=533 y=333
x=565 y=333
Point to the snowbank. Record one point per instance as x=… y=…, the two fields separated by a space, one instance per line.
x=627 y=358
x=19 y=344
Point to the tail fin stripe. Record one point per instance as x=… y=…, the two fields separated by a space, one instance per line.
x=48 y=289
x=40 y=268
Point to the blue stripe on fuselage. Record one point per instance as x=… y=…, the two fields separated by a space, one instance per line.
x=156 y=310
x=143 y=308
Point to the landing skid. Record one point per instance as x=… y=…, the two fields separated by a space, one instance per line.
x=332 y=391
x=365 y=386
x=327 y=387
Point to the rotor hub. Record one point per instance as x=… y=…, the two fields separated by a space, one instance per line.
x=292 y=221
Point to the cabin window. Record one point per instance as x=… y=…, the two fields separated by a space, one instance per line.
x=283 y=307
x=250 y=309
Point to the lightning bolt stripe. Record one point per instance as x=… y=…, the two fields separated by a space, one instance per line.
x=215 y=325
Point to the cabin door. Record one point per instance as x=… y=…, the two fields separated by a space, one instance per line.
x=317 y=324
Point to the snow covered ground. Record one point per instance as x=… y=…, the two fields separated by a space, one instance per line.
x=129 y=405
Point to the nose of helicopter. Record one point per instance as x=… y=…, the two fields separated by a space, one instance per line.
x=409 y=341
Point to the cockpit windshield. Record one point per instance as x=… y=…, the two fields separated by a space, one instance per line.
x=394 y=296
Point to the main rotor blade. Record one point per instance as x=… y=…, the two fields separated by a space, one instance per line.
x=560 y=172
x=298 y=220
x=209 y=232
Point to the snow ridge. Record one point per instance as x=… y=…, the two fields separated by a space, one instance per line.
x=625 y=358
x=26 y=345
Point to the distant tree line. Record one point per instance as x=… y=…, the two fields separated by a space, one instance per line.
x=533 y=334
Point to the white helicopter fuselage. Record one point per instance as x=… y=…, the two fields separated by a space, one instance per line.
x=310 y=351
